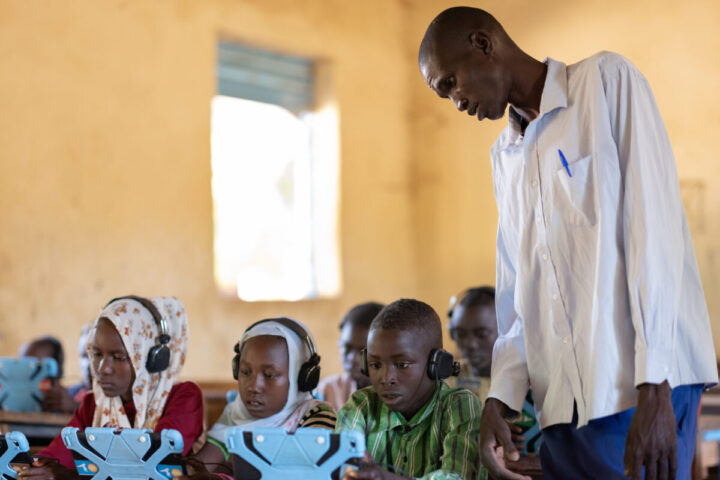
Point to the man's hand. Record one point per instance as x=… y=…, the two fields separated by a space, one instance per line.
x=370 y=471
x=496 y=444
x=57 y=399
x=47 y=469
x=652 y=440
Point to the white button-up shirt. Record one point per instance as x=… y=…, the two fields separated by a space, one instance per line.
x=598 y=289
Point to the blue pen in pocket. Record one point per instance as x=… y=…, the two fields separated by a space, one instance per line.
x=564 y=162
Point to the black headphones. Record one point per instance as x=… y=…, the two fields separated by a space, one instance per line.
x=158 y=357
x=456 y=299
x=309 y=374
x=441 y=364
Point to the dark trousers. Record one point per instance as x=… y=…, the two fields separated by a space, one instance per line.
x=597 y=450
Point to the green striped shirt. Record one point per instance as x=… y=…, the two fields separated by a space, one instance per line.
x=440 y=442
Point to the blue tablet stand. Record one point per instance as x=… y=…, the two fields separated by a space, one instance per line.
x=13 y=446
x=276 y=454
x=128 y=454
x=19 y=381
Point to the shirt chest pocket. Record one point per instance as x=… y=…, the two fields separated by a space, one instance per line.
x=574 y=193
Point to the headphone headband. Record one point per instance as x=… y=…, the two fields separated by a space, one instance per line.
x=455 y=300
x=149 y=306
x=158 y=357
x=309 y=373
x=293 y=326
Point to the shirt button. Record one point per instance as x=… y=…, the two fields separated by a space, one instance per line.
x=666 y=369
x=555 y=296
x=534 y=183
x=544 y=255
x=566 y=340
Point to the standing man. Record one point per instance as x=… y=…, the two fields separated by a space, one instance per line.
x=599 y=302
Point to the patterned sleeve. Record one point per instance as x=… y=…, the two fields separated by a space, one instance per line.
x=320 y=416
x=460 y=438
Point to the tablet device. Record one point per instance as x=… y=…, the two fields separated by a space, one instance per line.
x=308 y=453
x=13 y=454
x=128 y=454
x=21 y=380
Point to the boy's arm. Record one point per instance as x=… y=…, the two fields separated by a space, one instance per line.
x=460 y=433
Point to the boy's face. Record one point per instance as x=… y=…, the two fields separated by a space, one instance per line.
x=353 y=338
x=397 y=365
x=474 y=330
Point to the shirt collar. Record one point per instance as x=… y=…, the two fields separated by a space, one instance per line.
x=554 y=95
x=555 y=89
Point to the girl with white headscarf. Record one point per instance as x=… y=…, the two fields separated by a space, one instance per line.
x=125 y=394
x=268 y=364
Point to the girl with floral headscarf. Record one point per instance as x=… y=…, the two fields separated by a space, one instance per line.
x=125 y=394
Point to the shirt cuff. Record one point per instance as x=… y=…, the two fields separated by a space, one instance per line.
x=653 y=365
x=221 y=446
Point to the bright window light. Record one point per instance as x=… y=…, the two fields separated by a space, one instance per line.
x=274 y=189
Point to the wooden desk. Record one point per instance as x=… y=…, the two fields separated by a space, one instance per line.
x=39 y=428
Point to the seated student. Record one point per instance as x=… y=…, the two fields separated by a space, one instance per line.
x=473 y=328
x=415 y=425
x=78 y=390
x=55 y=396
x=276 y=367
x=126 y=394
x=336 y=389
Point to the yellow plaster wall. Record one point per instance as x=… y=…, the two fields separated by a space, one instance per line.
x=674 y=43
x=105 y=161
x=105 y=167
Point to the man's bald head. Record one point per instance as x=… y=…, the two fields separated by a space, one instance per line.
x=453 y=26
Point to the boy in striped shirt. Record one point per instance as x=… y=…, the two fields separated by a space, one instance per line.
x=414 y=424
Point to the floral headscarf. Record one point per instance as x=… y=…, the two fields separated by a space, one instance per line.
x=139 y=333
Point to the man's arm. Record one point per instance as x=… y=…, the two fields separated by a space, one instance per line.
x=653 y=219
x=509 y=378
x=653 y=225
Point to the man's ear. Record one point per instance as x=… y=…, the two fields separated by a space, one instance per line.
x=482 y=42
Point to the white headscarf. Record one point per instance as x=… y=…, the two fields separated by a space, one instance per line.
x=297 y=404
x=139 y=332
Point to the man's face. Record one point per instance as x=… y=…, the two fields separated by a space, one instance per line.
x=353 y=338
x=474 y=81
x=397 y=364
x=474 y=330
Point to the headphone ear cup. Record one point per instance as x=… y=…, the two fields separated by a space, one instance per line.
x=158 y=358
x=236 y=362
x=309 y=374
x=441 y=364
x=364 y=363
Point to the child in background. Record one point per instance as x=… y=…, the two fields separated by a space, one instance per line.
x=276 y=366
x=415 y=425
x=126 y=394
x=473 y=328
x=336 y=389
x=78 y=390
